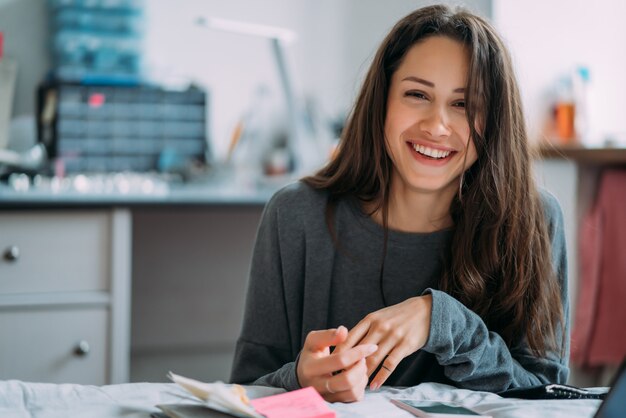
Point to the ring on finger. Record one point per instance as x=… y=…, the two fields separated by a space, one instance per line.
x=328 y=389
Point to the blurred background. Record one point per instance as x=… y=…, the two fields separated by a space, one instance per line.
x=165 y=126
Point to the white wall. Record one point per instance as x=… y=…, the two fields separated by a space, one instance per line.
x=336 y=40
x=549 y=38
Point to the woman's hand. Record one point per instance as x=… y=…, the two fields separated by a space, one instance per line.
x=319 y=368
x=398 y=330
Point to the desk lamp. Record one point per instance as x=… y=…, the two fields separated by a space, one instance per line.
x=306 y=156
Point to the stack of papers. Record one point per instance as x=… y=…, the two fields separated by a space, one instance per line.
x=224 y=400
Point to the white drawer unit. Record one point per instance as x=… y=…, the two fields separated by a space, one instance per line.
x=65 y=295
x=54 y=251
x=59 y=345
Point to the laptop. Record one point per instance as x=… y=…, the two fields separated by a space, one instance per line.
x=614 y=405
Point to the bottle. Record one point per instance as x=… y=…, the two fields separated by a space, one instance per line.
x=565 y=111
x=580 y=83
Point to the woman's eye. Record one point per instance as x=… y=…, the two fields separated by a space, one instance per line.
x=460 y=104
x=416 y=94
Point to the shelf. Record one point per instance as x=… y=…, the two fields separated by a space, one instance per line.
x=583 y=155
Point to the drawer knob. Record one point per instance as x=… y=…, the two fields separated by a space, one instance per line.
x=12 y=253
x=82 y=348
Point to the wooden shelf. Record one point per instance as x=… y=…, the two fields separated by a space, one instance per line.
x=583 y=155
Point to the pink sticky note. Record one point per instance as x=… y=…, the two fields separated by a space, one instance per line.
x=302 y=403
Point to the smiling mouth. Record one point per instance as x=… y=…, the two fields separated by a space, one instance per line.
x=432 y=153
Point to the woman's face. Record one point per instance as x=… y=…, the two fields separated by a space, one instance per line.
x=426 y=130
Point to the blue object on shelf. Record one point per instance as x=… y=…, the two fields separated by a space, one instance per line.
x=123 y=5
x=97 y=41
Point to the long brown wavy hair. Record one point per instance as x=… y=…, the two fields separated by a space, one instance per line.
x=501 y=264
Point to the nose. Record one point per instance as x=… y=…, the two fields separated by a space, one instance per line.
x=435 y=123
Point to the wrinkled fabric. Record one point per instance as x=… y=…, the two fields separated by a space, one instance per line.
x=138 y=400
x=599 y=336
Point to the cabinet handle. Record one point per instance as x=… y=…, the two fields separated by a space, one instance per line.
x=82 y=349
x=12 y=253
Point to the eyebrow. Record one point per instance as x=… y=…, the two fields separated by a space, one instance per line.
x=430 y=83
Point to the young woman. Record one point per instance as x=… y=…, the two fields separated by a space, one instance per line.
x=425 y=236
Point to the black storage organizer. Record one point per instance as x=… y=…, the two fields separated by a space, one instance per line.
x=95 y=129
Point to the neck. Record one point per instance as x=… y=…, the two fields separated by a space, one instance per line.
x=417 y=211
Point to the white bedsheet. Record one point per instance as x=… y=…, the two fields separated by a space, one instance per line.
x=134 y=400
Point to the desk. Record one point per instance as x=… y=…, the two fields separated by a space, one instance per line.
x=157 y=277
x=137 y=400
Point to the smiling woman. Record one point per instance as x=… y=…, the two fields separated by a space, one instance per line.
x=423 y=251
x=427 y=132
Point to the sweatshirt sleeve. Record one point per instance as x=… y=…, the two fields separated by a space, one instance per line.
x=263 y=354
x=479 y=359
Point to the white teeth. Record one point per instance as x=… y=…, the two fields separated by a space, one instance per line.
x=431 y=152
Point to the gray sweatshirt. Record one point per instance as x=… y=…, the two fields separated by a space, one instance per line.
x=301 y=281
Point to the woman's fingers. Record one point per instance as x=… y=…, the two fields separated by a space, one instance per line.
x=398 y=330
x=350 y=378
x=317 y=347
x=386 y=336
x=371 y=329
x=317 y=364
x=348 y=386
x=342 y=361
x=355 y=335
x=384 y=348
x=321 y=340
x=383 y=338
x=388 y=366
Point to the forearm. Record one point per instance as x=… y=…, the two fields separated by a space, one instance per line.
x=285 y=378
x=478 y=359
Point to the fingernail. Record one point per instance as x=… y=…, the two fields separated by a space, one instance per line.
x=338 y=330
x=374 y=386
x=371 y=348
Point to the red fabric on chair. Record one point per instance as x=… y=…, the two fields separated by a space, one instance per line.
x=599 y=336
